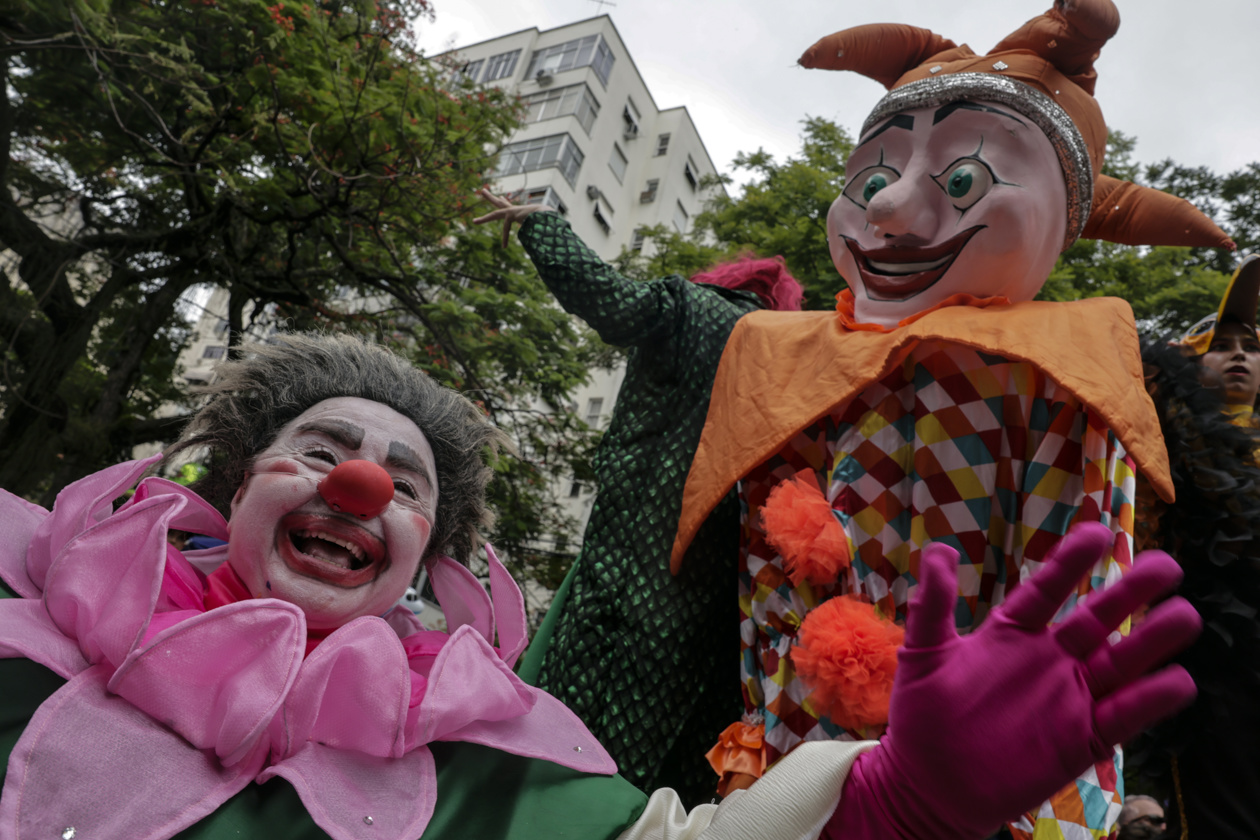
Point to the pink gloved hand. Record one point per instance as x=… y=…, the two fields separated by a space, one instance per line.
x=985 y=727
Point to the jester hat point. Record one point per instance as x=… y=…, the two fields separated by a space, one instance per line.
x=1045 y=71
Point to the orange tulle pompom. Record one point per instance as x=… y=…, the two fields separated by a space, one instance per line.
x=799 y=525
x=847 y=654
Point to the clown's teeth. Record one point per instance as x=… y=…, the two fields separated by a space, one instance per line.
x=354 y=550
x=907 y=268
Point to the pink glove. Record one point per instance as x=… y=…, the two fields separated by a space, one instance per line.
x=985 y=727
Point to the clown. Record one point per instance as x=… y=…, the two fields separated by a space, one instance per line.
x=270 y=689
x=940 y=403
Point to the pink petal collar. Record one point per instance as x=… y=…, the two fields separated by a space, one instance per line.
x=206 y=702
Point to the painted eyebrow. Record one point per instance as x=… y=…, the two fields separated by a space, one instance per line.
x=945 y=110
x=403 y=457
x=900 y=121
x=346 y=434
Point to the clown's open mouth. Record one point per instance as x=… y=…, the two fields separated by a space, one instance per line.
x=900 y=273
x=330 y=549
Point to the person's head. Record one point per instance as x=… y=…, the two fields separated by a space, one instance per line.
x=768 y=279
x=1140 y=809
x=276 y=425
x=1234 y=357
x=1225 y=341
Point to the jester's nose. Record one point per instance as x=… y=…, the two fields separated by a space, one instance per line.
x=358 y=487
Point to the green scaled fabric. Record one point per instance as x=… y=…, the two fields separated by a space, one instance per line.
x=482 y=792
x=648 y=660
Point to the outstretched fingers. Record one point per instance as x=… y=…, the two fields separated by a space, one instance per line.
x=1035 y=602
x=1169 y=628
x=931 y=619
x=1131 y=709
x=1153 y=574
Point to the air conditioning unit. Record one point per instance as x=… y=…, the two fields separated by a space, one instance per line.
x=543 y=77
x=592 y=192
x=631 y=132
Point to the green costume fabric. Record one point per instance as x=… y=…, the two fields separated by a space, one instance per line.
x=635 y=651
x=482 y=792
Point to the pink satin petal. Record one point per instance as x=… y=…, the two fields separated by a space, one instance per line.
x=21 y=520
x=218 y=678
x=509 y=610
x=463 y=599
x=468 y=683
x=27 y=631
x=548 y=731
x=353 y=796
x=91 y=760
x=79 y=506
x=351 y=693
x=404 y=622
x=196 y=517
x=104 y=585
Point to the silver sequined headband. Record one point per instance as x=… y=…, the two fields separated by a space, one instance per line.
x=1047 y=114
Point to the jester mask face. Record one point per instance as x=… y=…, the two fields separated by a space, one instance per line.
x=965 y=198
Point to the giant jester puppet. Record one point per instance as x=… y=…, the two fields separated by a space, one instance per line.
x=271 y=688
x=940 y=403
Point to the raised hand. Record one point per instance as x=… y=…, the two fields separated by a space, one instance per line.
x=985 y=727
x=507 y=211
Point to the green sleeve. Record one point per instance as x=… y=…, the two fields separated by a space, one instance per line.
x=624 y=312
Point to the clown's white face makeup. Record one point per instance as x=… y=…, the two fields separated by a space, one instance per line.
x=287 y=542
x=965 y=198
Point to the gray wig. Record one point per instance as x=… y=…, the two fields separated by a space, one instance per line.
x=253 y=398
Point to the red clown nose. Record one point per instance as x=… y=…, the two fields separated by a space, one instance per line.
x=357 y=487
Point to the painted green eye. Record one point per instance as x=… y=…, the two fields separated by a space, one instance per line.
x=966 y=181
x=863 y=186
x=960 y=182
x=874 y=184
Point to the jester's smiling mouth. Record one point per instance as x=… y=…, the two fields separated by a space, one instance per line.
x=899 y=273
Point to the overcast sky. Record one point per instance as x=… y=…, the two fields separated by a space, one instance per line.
x=1182 y=77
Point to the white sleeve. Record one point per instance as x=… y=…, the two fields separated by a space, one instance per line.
x=793 y=801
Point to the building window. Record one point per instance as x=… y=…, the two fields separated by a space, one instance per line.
x=594 y=408
x=662 y=144
x=467 y=72
x=600 y=220
x=574 y=99
x=680 y=217
x=214 y=351
x=636 y=242
x=575 y=491
x=649 y=194
x=557 y=151
x=221 y=328
x=617 y=163
x=691 y=173
x=501 y=66
x=545 y=195
x=630 y=116
x=591 y=50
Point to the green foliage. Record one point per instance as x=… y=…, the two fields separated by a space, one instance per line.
x=301 y=155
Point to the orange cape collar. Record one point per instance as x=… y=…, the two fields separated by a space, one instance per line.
x=781 y=371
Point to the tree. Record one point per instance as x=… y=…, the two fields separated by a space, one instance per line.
x=303 y=156
x=781 y=211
